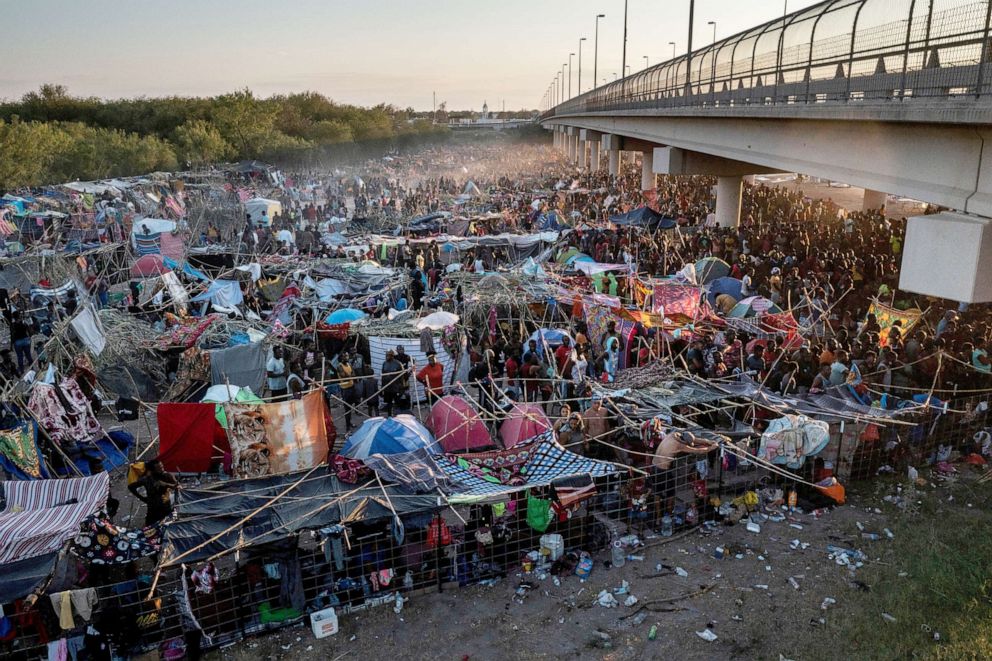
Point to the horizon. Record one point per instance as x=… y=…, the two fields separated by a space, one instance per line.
x=467 y=54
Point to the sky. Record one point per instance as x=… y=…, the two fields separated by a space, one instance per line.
x=354 y=51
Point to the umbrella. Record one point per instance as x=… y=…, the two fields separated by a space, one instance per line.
x=709 y=269
x=753 y=306
x=525 y=421
x=401 y=433
x=726 y=285
x=148 y=266
x=457 y=425
x=437 y=320
x=344 y=315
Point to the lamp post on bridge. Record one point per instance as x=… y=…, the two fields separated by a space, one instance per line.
x=581 y=39
x=595 y=54
x=570 y=56
x=672 y=44
x=646 y=62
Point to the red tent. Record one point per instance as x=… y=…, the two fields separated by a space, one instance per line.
x=457 y=426
x=148 y=266
x=524 y=421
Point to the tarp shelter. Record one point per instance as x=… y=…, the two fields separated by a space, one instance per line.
x=157 y=236
x=401 y=433
x=643 y=217
x=309 y=501
x=457 y=426
x=222 y=293
x=709 y=269
x=36 y=521
x=437 y=320
x=523 y=421
x=255 y=206
x=344 y=316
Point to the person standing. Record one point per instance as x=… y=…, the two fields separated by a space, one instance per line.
x=20 y=338
x=275 y=370
x=392 y=381
x=432 y=377
x=346 y=374
x=157 y=486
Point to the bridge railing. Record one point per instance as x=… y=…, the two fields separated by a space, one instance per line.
x=839 y=51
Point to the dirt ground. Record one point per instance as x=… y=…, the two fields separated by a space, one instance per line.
x=747 y=601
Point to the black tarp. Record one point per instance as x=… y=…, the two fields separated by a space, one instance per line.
x=317 y=501
x=19 y=578
x=644 y=217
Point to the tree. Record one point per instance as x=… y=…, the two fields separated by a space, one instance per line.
x=29 y=149
x=199 y=142
x=245 y=122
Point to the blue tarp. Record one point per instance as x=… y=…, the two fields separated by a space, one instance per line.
x=187 y=269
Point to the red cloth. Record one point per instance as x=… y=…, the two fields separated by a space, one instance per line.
x=190 y=438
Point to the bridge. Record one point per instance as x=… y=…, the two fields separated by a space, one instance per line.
x=894 y=96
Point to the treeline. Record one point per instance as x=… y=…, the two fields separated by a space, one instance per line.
x=49 y=136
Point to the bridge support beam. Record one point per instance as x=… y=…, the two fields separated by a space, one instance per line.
x=592 y=139
x=611 y=145
x=873 y=200
x=648 y=179
x=594 y=156
x=728 y=201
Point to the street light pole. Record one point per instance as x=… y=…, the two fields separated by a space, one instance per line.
x=672 y=44
x=646 y=62
x=595 y=54
x=713 y=23
x=581 y=39
x=688 y=52
x=562 y=97
x=570 y=56
x=623 y=63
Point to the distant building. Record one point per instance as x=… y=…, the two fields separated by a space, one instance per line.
x=485 y=111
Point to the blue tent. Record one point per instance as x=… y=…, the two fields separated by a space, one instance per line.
x=344 y=316
x=401 y=433
x=725 y=285
x=644 y=217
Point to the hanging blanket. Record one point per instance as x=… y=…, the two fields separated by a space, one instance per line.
x=20 y=455
x=185 y=333
x=100 y=542
x=676 y=301
x=277 y=437
x=887 y=318
x=148 y=244
x=64 y=412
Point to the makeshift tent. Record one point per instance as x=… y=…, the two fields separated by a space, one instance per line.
x=286 y=505
x=753 y=306
x=157 y=236
x=523 y=421
x=242 y=365
x=643 y=217
x=790 y=439
x=401 y=433
x=222 y=293
x=457 y=426
x=709 y=269
x=191 y=439
x=344 y=316
x=148 y=266
x=255 y=206
x=726 y=285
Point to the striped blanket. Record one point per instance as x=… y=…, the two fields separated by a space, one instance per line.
x=148 y=244
x=40 y=516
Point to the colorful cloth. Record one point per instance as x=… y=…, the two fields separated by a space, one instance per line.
x=675 y=301
x=21 y=455
x=148 y=244
x=103 y=543
x=191 y=439
x=39 y=516
x=277 y=437
x=185 y=333
x=887 y=318
x=64 y=412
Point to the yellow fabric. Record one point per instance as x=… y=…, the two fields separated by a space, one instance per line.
x=135 y=472
x=62 y=604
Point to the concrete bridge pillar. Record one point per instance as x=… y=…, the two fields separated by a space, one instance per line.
x=583 y=154
x=611 y=145
x=648 y=179
x=728 y=201
x=594 y=155
x=573 y=148
x=873 y=200
x=614 y=155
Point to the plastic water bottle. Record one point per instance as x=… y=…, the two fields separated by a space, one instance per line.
x=619 y=557
x=666 y=526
